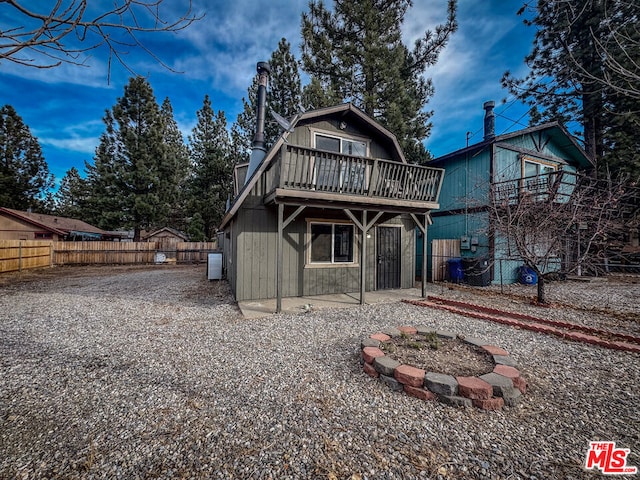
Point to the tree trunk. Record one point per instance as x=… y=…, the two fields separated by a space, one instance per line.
x=542 y=298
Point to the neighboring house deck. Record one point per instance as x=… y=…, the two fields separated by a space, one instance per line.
x=332 y=208
x=526 y=161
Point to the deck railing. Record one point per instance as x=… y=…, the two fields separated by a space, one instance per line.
x=307 y=169
x=555 y=186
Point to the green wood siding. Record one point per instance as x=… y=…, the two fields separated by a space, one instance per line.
x=508 y=163
x=303 y=136
x=254 y=272
x=466 y=182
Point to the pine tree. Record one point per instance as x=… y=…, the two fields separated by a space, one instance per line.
x=210 y=185
x=105 y=206
x=71 y=197
x=195 y=230
x=24 y=174
x=175 y=169
x=284 y=92
x=129 y=175
x=355 y=52
x=315 y=96
x=244 y=127
x=567 y=69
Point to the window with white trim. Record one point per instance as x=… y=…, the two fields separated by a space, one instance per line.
x=329 y=172
x=537 y=176
x=331 y=242
x=337 y=144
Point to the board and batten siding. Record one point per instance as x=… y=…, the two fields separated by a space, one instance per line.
x=303 y=135
x=255 y=255
x=254 y=274
x=466 y=181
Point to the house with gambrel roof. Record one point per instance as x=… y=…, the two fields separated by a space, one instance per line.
x=331 y=207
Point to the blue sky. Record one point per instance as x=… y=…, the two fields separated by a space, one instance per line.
x=64 y=106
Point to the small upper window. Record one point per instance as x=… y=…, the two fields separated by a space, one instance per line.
x=347 y=146
x=537 y=176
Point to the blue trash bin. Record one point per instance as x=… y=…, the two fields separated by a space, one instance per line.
x=528 y=276
x=455 y=270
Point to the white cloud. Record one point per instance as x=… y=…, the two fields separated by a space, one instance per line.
x=81 y=138
x=231 y=39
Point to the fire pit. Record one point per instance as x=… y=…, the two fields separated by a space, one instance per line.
x=435 y=365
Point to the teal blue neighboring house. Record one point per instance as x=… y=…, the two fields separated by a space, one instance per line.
x=461 y=227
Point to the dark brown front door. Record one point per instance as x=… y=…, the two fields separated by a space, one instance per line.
x=388 y=250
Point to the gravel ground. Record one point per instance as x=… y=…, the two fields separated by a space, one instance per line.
x=153 y=373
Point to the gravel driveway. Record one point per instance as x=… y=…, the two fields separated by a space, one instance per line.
x=152 y=373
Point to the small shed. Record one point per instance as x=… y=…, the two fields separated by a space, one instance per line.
x=167 y=240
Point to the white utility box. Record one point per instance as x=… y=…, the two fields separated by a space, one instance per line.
x=214 y=266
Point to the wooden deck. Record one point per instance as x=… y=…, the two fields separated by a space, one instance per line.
x=304 y=175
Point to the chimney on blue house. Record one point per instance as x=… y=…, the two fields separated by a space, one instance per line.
x=489 y=120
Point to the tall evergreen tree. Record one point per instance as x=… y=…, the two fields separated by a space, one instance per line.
x=24 y=174
x=175 y=169
x=285 y=90
x=244 y=127
x=355 y=51
x=129 y=175
x=567 y=69
x=209 y=147
x=71 y=197
x=315 y=95
x=105 y=204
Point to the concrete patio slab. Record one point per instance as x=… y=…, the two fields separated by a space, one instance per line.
x=266 y=307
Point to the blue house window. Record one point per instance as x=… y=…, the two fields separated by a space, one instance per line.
x=537 y=176
x=331 y=243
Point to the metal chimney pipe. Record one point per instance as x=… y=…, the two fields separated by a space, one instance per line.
x=258 y=150
x=489 y=120
x=263 y=76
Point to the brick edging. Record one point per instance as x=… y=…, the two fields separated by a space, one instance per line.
x=502 y=386
x=551 y=327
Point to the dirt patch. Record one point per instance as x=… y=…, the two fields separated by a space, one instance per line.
x=433 y=354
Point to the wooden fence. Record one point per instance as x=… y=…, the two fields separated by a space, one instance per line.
x=18 y=255
x=194 y=252
x=103 y=253
x=441 y=252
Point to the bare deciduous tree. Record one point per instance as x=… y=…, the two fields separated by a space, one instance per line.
x=561 y=222
x=48 y=34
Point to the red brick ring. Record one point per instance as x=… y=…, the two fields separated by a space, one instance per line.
x=502 y=386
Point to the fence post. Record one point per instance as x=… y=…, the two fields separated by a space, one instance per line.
x=50 y=254
x=20 y=256
x=501 y=281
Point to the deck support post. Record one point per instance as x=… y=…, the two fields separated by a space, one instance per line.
x=364 y=227
x=279 y=241
x=363 y=257
x=282 y=224
x=423 y=229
